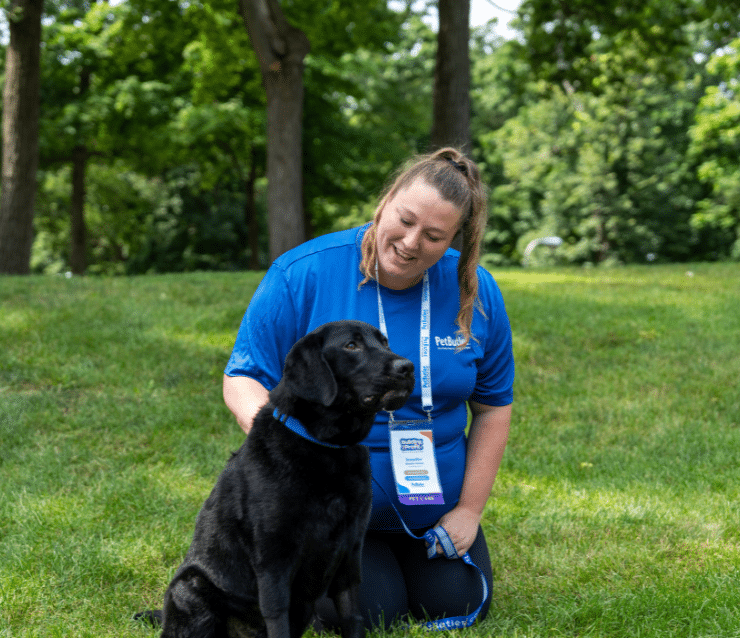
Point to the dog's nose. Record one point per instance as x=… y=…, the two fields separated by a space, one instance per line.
x=403 y=367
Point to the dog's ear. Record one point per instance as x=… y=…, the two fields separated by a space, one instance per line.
x=307 y=374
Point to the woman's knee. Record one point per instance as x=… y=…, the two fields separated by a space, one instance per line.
x=446 y=588
x=383 y=595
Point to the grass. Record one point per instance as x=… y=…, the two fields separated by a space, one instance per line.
x=616 y=511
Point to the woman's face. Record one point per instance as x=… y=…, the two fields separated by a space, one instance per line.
x=415 y=229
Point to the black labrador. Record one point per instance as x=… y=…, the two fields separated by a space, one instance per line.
x=284 y=524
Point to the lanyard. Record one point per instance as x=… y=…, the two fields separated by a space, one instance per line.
x=424 y=340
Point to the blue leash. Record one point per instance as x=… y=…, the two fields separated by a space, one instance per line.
x=431 y=537
x=439 y=535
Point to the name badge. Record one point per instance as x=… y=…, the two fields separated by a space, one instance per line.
x=414 y=463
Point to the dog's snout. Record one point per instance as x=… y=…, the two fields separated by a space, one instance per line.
x=402 y=367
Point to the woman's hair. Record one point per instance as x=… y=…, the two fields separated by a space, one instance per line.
x=458 y=181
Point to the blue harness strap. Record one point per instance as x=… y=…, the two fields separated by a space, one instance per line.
x=294 y=425
x=432 y=537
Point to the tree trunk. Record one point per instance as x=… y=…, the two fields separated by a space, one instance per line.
x=280 y=49
x=451 y=110
x=20 y=135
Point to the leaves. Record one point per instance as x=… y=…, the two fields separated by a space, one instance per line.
x=616 y=127
x=715 y=143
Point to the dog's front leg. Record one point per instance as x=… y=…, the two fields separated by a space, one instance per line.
x=348 y=606
x=274 y=602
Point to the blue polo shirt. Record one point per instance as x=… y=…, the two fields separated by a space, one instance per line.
x=318 y=282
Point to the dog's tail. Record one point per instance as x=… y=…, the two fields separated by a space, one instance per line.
x=151 y=617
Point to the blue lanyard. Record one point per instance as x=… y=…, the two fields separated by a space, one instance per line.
x=424 y=340
x=437 y=534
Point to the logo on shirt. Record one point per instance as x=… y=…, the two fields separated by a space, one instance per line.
x=449 y=343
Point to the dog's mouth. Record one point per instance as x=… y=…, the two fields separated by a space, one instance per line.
x=394 y=399
x=391 y=400
x=392 y=389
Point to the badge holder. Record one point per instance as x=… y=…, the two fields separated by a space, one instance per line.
x=414 y=462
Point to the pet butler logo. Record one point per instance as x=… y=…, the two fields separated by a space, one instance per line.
x=448 y=343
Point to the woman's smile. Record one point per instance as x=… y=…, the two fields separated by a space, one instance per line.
x=402 y=255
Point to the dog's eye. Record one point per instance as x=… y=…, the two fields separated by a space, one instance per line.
x=351 y=346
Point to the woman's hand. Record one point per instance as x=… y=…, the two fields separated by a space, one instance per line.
x=489 y=432
x=461 y=525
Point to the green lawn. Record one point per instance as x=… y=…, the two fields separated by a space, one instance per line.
x=616 y=511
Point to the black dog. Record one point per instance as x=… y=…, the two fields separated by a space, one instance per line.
x=284 y=524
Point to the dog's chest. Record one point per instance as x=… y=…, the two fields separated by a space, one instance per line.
x=336 y=500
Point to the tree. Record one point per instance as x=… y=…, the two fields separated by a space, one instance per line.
x=183 y=110
x=115 y=82
x=588 y=121
x=451 y=104
x=20 y=135
x=366 y=111
x=80 y=156
x=281 y=49
x=605 y=171
x=715 y=143
x=559 y=35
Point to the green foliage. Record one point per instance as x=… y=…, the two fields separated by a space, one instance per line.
x=599 y=170
x=118 y=205
x=219 y=59
x=173 y=102
x=716 y=144
x=138 y=225
x=610 y=125
x=615 y=513
x=196 y=229
x=363 y=93
x=596 y=151
x=561 y=36
x=501 y=82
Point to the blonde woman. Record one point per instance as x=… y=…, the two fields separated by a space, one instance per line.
x=442 y=311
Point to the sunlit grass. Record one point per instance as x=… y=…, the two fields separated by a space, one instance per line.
x=616 y=511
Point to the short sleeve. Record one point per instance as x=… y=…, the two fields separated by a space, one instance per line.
x=495 y=380
x=267 y=332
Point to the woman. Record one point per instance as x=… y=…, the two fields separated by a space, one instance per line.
x=393 y=273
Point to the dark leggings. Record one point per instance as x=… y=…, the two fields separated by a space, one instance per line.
x=399 y=581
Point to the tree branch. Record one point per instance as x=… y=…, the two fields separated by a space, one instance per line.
x=272 y=37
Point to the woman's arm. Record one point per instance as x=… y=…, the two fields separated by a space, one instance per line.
x=244 y=396
x=489 y=432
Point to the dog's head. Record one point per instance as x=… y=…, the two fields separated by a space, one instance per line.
x=347 y=368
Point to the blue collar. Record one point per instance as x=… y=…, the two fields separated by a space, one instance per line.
x=294 y=425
